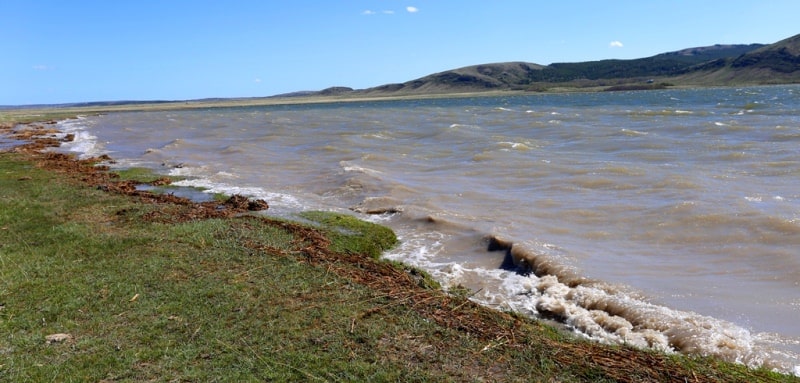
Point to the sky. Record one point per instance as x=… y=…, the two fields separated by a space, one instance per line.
x=56 y=51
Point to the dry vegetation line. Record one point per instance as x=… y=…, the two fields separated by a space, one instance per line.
x=399 y=286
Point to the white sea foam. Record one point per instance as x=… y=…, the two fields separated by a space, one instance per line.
x=505 y=145
x=83 y=143
x=631 y=132
x=417 y=249
x=596 y=311
x=608 y=317
x=465 y=126
x=277 y=201
x=348 y=166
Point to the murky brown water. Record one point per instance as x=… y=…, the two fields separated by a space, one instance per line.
x=665 y=219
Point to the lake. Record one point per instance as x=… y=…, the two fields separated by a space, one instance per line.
x=664 y=219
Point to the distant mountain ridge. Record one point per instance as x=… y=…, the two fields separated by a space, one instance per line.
x=732 y=64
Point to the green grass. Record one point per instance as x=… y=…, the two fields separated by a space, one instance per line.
x=205 y=306
x=162 y=184
x=349 y=234
x=143 y=175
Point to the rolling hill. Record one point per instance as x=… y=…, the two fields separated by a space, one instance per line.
x=743 y=64
x=777 y=63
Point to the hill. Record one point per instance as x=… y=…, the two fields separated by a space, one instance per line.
x=750 y=64
x=510 y=75
x=772 y=64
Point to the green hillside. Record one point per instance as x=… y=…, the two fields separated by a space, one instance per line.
x=712 y=65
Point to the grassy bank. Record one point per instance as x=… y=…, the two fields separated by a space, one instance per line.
x=100 y=283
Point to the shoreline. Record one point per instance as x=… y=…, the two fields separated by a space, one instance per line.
x=468 y=316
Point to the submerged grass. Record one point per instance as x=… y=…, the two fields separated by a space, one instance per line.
x=144 y=175
x=249 y=298
x=350 y=234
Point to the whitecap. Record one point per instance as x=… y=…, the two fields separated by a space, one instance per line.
x=83 y=142
x=457 y=126
x=274 y=199
x=349 y=167
x=513 y=145
x=631 y=132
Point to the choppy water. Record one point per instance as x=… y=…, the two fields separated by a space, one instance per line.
x=665 y=219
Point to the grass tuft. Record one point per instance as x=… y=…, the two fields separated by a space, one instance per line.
x=143 y=175
x=348 y=234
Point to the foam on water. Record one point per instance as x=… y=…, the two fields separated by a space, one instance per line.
x=540 y=286
x=278 y=202
x=84 y=143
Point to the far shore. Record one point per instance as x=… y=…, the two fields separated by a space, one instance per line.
x=30 y=113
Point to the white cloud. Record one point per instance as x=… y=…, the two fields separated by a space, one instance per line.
x=370 y=12
x=412 y=9
x=42 y=67
x=615 y=44
x=258 y=80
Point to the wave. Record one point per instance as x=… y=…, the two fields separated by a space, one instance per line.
x=661 y=113
x=175 y=144
x=521 y=146
x=633 y=133
x=280 y=203
x=83 y=143
x=540 y=284
x=464 y=126
x=546 y=288
x=348 y=166
x=233 y=149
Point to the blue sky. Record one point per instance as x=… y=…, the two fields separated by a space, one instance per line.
x=73 y=51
